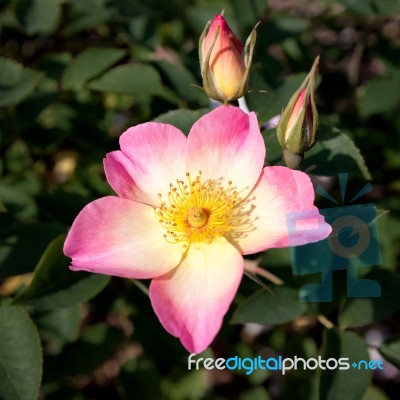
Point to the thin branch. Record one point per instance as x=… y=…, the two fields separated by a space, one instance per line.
x=253 y=266
x=142 y=287
x=325 y=322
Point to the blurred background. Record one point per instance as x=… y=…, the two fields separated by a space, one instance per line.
x=74 y=74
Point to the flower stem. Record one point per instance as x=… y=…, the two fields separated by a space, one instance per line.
x=243 y=105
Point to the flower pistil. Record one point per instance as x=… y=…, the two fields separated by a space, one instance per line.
x=196 y=211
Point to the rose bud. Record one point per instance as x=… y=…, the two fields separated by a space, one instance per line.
x=225 y=62
x=297 y=128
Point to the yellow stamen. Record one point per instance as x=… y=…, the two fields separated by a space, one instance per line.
x=195 y=211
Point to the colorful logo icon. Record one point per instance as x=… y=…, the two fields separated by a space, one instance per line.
x=353 y=244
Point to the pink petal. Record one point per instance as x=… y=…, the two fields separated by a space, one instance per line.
x=120 y=237
x=225 y=35
x=281 y=212
x=226 y=61
x=191 y=300
x=119 y=173
x=226 y=143
x=152 y=156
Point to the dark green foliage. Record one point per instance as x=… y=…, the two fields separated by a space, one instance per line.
x=74 y=75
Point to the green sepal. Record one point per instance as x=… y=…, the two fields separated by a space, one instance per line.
x=248 y=58
x=201 y=40
x=208 y=81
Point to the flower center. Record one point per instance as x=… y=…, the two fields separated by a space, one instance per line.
x=197 y=217
x=195 y=211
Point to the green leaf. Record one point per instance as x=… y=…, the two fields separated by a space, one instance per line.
x=59 y=326
x=374 y=393
x=378 y=97
x=274 y=149
x=38 y=16
x=64 y=205
x=248 y=13
x=292 y=24
x=97 y=343
x=30 y=108
x=19 y=254
x=183 y=83
x=335 y=153
x=88 y=64
x=18 y=202
x=191 y=385
x=272 y=103
x=182 y=119
x=20 y=355
x=257 y=393
x=55 y=286
x=198 y=15
x=17 y=158
x=276 y=307
x=386 y=7
x=344 y=384
x=130 y=79
x=140 y=379
x=390 y=349
x=363 y=311
x=359 y=7
x=16 y=82
x=86 y=14
x=391 y=226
